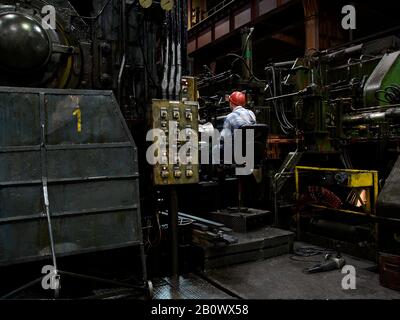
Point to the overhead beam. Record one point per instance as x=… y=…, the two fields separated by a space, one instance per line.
x=288 y=39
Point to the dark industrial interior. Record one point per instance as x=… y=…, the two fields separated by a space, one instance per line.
x=84 y=213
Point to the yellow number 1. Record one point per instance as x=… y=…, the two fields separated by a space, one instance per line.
x=78 y=114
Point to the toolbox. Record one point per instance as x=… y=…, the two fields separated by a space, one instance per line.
x=389 y=271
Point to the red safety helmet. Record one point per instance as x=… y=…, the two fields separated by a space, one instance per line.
x=238 y=98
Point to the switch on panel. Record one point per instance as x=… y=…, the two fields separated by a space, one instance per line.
x=164 y=113
x=189 y=115
x=177 y=174
x=176 y=114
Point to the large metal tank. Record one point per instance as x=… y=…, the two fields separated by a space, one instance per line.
x=35 y=54
x=75 y=145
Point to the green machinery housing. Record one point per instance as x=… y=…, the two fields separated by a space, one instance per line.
x=342 y=108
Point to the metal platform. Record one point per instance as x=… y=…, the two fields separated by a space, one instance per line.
x=261 y=244
x=187 y=287
x=243 y=220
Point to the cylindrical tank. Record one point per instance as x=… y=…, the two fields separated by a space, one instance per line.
x=32 y=53
x=24 y=44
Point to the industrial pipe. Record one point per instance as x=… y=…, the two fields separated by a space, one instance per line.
x=391 y=113
x=179 y=52
x=164 y=83
x=124 y=48
x=247 y=53
x=284 y=64
x=172 y=77
x=344 y=52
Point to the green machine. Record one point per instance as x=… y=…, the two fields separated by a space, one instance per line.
x=342 y=109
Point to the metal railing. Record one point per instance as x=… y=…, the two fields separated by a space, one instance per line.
x=218 y=7
x=214 y=10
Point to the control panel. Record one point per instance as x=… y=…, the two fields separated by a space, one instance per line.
x=189 y=89
x=176 y=144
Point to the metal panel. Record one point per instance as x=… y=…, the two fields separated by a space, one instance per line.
x=20 y=120
x=86 y=155
x=359 y=180
x=192 y=46
x=266 y=6
x=204 y=39
x=243 y=17
x=386 y=73
x=389 y=200
x=222 y=28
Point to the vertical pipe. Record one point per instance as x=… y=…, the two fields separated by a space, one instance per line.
x=376 y=191
x=164 y=83
x=240 y=193
x=178 y=51
x=376 y=195
x=172 y=79
x=247 y=52
x=173 y=230
x=143 y=261
x=351 y=31
x=124 y=49
x=189 y=13
x=185 y=26
x=276 y=209
x=311 y=21
x=146 y=36
x=296 y=172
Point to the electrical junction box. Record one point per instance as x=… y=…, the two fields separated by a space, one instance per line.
x=177 y=149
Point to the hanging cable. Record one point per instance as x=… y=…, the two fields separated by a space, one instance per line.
x=241 y=59
x=145 y=63
x=97 y=15
x=247 y=41
x=280 y=114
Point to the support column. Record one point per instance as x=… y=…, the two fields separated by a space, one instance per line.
x=173 y=230
x=247 y=49
x=311 y=21
x=189 y=6
x=254 y=9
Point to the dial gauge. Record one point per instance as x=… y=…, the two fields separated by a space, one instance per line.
x=146 y=3
x=167 y=5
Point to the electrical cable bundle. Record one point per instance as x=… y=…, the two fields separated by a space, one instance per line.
x=280 y=113
x=241 y=59
x=307 y=252
x=94 y=18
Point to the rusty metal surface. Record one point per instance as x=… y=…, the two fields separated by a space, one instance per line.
x=78 y=143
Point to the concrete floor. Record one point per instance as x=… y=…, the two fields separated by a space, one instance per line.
x=278 y=278
x=283 y=278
